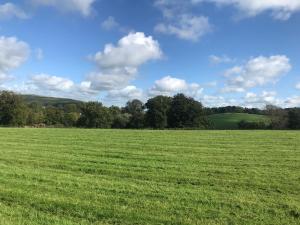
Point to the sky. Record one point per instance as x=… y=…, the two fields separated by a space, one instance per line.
x=220 y=52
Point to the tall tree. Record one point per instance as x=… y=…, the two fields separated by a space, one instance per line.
x=119 y=120
x=186 y=113
x=95 y=115
x=13 y=111
x=294 y=118
x=137 y=115
x=157 y=112
x=278 y=116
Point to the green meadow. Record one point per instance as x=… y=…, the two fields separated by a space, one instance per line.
x=225 y=121
x=77 y=176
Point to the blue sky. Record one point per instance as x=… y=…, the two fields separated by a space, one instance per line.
x=221 y=52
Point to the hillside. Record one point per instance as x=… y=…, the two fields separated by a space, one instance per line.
x=48 y=100
x=231 y=120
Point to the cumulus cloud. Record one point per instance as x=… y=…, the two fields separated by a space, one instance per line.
x=280 y=9
x=256 y=72
x=298 y=86
x=180 y=22
x=169 y=86
x=13 y=53
x=186 y=27
x=215 y=60
x=292 y=102
x=217 y=101
x=10 y=10
x=52 y=83
x=57 y=86
x=84 y=7
x=119 y=64
x=253 y=100
x=125 y=94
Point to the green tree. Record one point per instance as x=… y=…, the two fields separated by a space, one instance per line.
x=137 y=115
x=186 y=113
x=120 y=120
x=36 y=114
x=13 y=111
x=279 y=117
x=294 y=118
x=157 y=112
x=54 y=116
x=95 y=115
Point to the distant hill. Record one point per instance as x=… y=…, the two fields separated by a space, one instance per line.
x=46 y=101
x=231 y=120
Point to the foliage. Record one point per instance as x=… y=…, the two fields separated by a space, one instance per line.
x=186 y=113
x=13 y=111
x=245 y=125
x=294 y=118
x=95 y=115
x=157 y=112
x=135 y=109
x=160 y=112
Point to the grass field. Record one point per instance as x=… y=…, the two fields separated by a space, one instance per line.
x=61 y=176
x=231 y=120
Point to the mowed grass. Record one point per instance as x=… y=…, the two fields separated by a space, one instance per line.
x=231 y=120
x=65 y=176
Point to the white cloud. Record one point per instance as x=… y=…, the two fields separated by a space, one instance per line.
x=180 y=22
x=10 y=10
x=186 y=27
x=280 y=9
x=125 y=94
x=169 y=86
x=292 y=102
x=55 y=86
x=298 y=86
x=215 y=60
x=110 y=23
x=253 y=100
x=52 y=83
x=256 y=72
x=13 y=53
x=217 y=101
x=84 y=7
x=118 y=65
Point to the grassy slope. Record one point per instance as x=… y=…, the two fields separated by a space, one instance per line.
x=60 y=176
x=48 y=100
x=231 y=120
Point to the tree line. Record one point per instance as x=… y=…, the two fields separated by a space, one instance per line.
x=161 y=112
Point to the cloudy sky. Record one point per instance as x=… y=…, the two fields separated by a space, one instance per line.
x=221 y=52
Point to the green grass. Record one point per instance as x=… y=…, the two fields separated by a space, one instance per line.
x=231 y=120
x=61 y=176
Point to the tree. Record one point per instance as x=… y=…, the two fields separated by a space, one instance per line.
x=120 y=120
x=186 y=113
x=36 y=114
x=137 y=115
x=278 y=117
x=71 y=118
x=13 y=111
x=294 y=118
x=54 y=116
x=95 y=115
x=157 y=112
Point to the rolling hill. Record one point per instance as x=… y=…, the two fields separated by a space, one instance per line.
x=45 y=101
x=231 y=120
